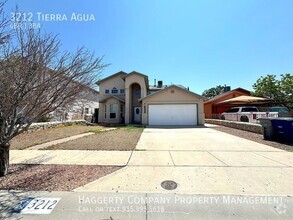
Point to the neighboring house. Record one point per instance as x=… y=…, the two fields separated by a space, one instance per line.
x=86 y=107
x=128 y=98
x=213 y=107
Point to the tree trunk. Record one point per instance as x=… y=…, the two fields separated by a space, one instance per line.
x=4 y=159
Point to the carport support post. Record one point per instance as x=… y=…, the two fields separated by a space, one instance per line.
x=4 y=159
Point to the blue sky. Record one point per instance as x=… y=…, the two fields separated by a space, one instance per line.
x=200 y=44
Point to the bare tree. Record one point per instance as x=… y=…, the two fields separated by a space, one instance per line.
x=36 y=79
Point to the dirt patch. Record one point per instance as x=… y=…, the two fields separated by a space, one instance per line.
x=254 y=137
x=122 y=139
x=29 y=139
x=52 y=177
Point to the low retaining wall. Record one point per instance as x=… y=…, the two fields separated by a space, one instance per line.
x=255 y=128
x=45 y=125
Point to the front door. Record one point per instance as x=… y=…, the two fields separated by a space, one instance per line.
x=137 y=115
x=96 y=116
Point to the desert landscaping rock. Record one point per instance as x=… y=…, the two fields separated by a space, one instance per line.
x=30 y=139
x=59 y=141
x=119 y=139
x=253 y=137
x=52 y=177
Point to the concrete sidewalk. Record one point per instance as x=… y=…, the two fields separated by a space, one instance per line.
x=78 y=157
x=218 y=176
x=201 y=161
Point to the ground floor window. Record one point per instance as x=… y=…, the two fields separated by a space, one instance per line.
x=113 y=110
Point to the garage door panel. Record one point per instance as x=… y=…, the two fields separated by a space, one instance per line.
x=171 y=114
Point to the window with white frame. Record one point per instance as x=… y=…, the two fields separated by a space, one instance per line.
x=113 y=110
x=107 y=91
x=122 y=91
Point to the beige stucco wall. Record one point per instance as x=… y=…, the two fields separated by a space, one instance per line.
x=116 y=81
x=178 y=97
x=129 y=80
x=102 y=118
x=119 y=83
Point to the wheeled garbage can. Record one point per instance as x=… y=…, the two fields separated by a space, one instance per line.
x=283 y=129
x=267 y=128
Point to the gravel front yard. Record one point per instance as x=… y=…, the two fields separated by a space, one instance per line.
x=52 y=177
x=254 y=137
x=67 y=177
x=29 y=139
x=122 y=139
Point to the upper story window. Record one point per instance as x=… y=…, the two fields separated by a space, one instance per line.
x=121 y=91
x=114 y=90
x=107 y=91
x=137 y=93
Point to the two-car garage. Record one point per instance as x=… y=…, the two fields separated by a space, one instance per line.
x=173 y=106
x=172 y=114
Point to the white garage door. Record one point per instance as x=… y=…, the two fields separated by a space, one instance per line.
x=180 y=114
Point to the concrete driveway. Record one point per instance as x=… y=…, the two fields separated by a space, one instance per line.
x=201 y=161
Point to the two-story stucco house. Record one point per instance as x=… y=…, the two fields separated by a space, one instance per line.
x=128 y=98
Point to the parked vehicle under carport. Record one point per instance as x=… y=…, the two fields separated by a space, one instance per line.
x=282 y=111
x=246 y=114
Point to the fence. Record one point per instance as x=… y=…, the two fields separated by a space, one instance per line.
x=245 y=117
x=255 y=128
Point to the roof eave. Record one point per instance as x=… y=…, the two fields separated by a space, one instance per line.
x=226 y=93
x=109 y=77
x=112 y=96
x=192 y=93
